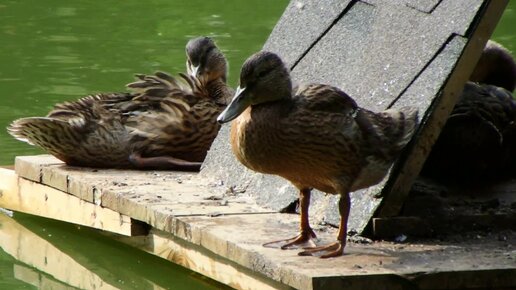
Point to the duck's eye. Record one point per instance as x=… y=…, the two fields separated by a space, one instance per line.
x=263 y=73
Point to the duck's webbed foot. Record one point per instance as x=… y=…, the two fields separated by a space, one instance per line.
x=163 y=163
x=301 y=241
x=332 y=250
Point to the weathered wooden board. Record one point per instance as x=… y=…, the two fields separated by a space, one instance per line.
x=153 y=197
x=228 y=248
x=384 y=54
x=19 y=194
x=369 y=266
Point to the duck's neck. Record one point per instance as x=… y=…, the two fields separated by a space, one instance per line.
x=270 y=110
x=219 y=91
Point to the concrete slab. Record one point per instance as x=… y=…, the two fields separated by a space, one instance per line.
x=384 y=54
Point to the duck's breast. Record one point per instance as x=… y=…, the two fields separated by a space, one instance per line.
x=308 y=149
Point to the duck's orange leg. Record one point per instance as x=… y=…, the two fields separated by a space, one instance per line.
x=334 y=249
x=306 y=234
x=163 y=163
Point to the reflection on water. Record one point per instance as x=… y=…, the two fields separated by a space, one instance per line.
x=50 y=255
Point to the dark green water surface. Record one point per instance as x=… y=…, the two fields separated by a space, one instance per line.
x=57 y=50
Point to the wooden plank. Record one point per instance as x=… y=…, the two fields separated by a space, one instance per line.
x=42 y=168
x=215 y=245
x=30 y=168
x=19 y=194
x=379 y=265
x=81 y=245
x=153 y=197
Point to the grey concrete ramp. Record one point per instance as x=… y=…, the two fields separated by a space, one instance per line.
x=384 y=54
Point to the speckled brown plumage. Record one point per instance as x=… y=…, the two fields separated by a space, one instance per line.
x=165 y=122
x=316 y=137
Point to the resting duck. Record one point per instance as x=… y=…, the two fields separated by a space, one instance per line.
x=315 y=137
x=164 y=123
x=478 y=142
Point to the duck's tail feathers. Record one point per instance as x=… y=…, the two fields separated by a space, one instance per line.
x=411 y=122
x=55 y=136
x=98 y=143
x=404 y=125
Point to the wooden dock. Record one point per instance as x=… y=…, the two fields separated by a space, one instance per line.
x=175 y=216
x=406 y=52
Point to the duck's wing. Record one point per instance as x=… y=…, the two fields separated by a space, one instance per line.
x=149 y=91
x=178 y=129
x=324 y=98
x=391 y=129
x=153 y=88
x=89 y=108
x=387 y=132
x=171 y=116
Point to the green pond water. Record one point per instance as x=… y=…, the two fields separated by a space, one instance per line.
x=57 y=50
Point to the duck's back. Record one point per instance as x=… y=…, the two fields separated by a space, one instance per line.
x=178 y=129
x=478 y=138
x=182 y=122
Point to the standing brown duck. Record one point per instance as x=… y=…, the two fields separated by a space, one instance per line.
x=316 y=137
x=165 y=123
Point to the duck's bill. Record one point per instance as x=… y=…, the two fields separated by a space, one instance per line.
x=238 y=105
x=193 y=71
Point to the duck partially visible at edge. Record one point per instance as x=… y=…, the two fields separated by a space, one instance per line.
x=164 y=123
x=478 y=142
x=315 y=136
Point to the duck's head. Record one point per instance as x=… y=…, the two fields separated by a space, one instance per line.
x=496 y=66
x=205 y=61
x=263 y=78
